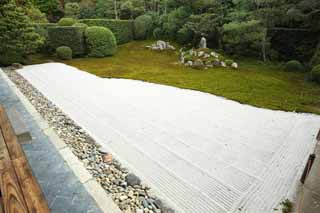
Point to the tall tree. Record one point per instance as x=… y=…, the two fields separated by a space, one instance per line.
x=17 y=34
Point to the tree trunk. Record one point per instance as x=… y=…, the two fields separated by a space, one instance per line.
x=62 y=3
x=115 y=9
x=264 y=41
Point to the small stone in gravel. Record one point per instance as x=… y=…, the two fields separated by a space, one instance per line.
x=132 y=179
x=103 y=150
x=139 y=211
x=123 y=197
x=107 y=158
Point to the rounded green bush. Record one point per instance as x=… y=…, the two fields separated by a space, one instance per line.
x=101 y=41
x=293 y=66
x=80 y=25
x=67 y=22
x=64 y=53
x=143 y=26
x=315 y=73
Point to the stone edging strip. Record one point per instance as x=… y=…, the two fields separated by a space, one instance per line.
x=103 y=200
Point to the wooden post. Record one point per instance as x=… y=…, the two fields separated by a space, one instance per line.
x=307 y=168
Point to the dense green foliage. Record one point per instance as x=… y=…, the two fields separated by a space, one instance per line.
x=17 y=34
x=36 y=15
x=315 y=73
x=293 y=66
x=67 y=22
x=70 y=36
x=49 y=7
x=101 y=41
x=143 y=26
x=72 y=10
x=243 y=38
x=264 y=29
x=122 y=29
x=64 y=53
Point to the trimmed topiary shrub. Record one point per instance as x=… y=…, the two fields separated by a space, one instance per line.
x=143 y=26
x=72 y=37
x=122 y=29
x=315 y=73
x=64 y=53
x=293 y=66
x=67 y=22
x=101 y=41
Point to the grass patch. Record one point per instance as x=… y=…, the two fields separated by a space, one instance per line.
x=255 y=83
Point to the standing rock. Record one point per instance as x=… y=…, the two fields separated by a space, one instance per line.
x=234 y=65
x=162 y=45
x=203 y=43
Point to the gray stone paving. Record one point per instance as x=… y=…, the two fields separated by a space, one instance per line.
x=61 y=187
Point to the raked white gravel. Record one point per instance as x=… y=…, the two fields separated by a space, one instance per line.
x=201 y=152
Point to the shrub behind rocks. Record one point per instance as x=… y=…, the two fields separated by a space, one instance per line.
x=64 y=53
x=143 y=26
x=101 y=41
x=293 y=66
x=229 y=62
x=67 y=22
x=315 y=73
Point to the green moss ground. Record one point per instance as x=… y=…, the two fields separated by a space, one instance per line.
x=255 y=83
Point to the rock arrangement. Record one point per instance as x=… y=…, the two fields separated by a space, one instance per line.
x=161 y=45
x=204 y=58
x=126 y=188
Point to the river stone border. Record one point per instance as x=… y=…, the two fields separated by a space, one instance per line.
x=125 y=188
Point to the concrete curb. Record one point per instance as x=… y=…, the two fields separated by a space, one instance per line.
x=103 y=200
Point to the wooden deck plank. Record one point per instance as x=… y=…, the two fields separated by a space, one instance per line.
x=20 y=189
x=31 y=189
x=12 y=195
x=10 y=138
x=4 y=154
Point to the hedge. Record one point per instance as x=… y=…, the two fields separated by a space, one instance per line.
x=122 y=29
x=42 y=29
x=70 y=36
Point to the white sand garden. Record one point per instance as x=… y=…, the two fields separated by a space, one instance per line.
x=202 y=153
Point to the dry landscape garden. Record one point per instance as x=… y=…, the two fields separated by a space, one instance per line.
x=142 y=91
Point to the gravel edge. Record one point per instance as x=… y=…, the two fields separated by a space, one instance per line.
x=125 y=188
